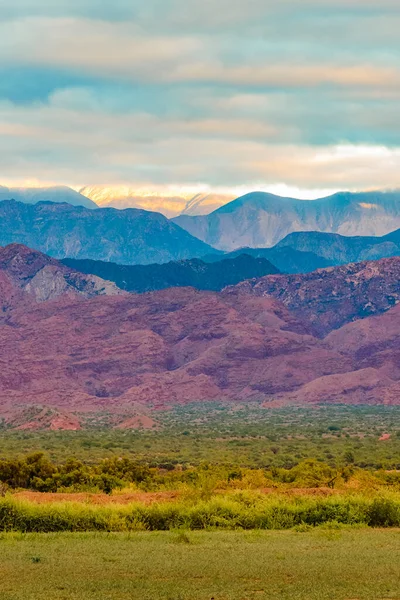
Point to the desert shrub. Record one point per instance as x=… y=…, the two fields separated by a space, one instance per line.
x=384 y=512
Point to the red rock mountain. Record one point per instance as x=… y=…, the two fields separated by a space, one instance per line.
x=329 y=298
x=43 y=278
x=71 y=343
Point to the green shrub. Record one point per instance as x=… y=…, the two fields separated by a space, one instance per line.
x=242 y=510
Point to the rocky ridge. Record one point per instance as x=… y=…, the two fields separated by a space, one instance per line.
x=128 y=355
x=128 y=236
x=261 y=220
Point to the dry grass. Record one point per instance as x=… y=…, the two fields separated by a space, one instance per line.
x=88 y=498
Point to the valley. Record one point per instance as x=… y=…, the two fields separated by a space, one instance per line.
x=208 y=390
x=213 y=394
x=199 y=300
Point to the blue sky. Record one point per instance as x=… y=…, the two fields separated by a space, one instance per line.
x=257 y=93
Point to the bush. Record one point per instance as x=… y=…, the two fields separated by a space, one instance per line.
x=242 y=510
x=384 y=512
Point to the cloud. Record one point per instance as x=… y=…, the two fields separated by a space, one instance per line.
x=226 y=92
x=123 y=51
x=91 y=146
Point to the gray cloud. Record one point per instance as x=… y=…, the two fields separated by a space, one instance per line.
x=225 y=92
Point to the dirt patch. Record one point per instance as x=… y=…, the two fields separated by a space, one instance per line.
x=144 y=497
x=138 y=422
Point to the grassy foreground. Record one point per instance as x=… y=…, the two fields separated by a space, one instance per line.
x=239 y=510
x=326 y=563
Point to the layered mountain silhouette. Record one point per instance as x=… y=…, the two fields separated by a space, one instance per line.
x=338 y=249
x=49 y=194
x=330 y=336
x=262 y=220
x=190 y=273
x=286 y=259
x=306 y=251
x=128 y=236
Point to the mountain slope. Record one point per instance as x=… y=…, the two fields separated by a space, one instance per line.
x=338 y=249
x=50 y=194
x=285 y=258
x=262 y=220
x=329 y=298
x=28 y=276
x=126 y=236
x=194 y=273
x=120 y=353
x=177 y=345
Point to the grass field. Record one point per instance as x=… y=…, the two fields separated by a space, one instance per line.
x=216 y=504
x=324 y=564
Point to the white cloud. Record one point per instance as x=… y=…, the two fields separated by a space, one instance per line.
x=300 y=95
x=124 y=51
x=60 y=144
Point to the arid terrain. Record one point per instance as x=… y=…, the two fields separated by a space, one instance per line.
x=73 y=343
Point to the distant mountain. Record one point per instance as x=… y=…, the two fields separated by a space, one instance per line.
x=285 y=259
x=205 y=203
x=338 y=249
x=50 y=194
x=168 y=202
x=193 y=273
x=128 y=236
x=306 y=251
x=262 y=220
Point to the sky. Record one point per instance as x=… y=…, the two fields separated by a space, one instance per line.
x=298 y=95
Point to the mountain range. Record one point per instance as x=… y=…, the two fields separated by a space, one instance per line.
x=138 y=237
x=284 y=258
x=128 y=236
x=167 y=202
x=306 y=251
x=328 y=298
x=83 y=347
x=262 y=220
x=46 y=194
x=338 y=249
x=184 y=273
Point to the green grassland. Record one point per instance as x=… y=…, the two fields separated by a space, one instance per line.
x=323 y=564
x=239 y=435
x=229 y=467
x=299 y=503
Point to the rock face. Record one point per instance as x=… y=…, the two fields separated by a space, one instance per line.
x=27 y=276
x=50 y=194
x=76 y=350
x=177 y=345
x=190 y=273
x=128 y=236
x=262 y=220
x=330 y=298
